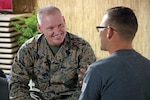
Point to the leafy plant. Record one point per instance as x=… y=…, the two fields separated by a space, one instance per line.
x=27 y=28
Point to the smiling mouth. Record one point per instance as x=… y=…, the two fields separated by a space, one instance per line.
x=58 y=35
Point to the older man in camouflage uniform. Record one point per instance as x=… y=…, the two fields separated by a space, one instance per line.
x=51 y=61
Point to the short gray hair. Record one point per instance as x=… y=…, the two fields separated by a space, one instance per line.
x=50 y=9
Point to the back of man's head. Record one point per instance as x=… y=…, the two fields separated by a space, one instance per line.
x=124 y=20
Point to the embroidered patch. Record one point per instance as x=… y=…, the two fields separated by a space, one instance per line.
x=83 y=86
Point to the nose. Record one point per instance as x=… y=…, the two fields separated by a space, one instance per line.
x=56 y=30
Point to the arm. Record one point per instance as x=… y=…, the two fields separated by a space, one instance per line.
x=19 y=80
x=91 y=86
x=86 y=58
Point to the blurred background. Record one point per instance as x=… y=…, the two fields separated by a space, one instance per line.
x=82 y=16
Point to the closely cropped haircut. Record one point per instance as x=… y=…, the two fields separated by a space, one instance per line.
x=50 y=9
x=124 y=20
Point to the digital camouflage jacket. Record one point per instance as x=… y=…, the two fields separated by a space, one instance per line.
x=55 y=77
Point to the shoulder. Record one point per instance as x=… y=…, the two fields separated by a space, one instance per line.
x=105 y=64
x=76 y=40
x=31 y=46
x=32 y=42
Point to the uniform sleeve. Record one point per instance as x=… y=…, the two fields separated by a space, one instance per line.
x=91 y=86
x=86 y=58
x=19 y=79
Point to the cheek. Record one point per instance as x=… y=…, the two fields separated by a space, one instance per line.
x=48 y=34
x=41 y=30
x=100 y=34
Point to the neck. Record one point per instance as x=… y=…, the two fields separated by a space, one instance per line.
x=120 y=46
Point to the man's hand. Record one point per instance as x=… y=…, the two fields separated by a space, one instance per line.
x=81 y=75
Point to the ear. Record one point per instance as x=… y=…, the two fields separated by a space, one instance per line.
x=39 y=28
x=64 y=19
x=109 y=33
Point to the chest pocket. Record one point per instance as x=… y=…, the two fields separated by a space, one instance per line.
x=41 y=70
x=66 y=72
x=56 y=72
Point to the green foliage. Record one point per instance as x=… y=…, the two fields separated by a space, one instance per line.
x=27 y=28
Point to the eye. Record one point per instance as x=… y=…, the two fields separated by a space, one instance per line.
x=60 y=25
x=50 y=28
